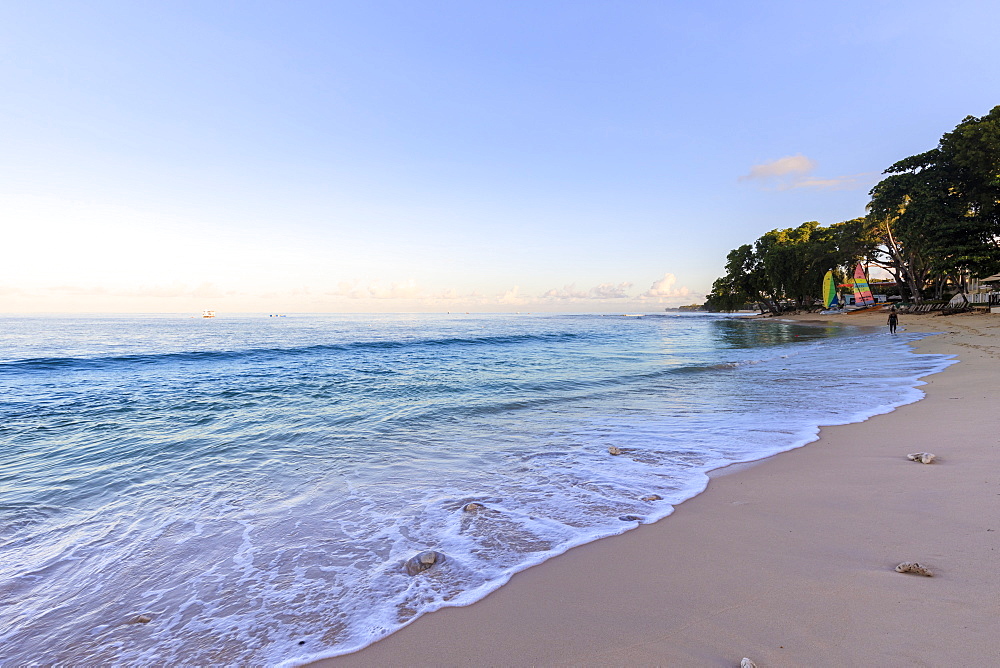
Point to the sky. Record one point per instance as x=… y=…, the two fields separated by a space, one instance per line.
x=481 y=156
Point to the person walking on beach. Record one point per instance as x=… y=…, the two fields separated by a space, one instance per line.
x=893 y=320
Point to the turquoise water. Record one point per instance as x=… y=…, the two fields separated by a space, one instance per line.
x=253 y=485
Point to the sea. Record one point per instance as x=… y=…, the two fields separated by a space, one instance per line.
x=246 y=489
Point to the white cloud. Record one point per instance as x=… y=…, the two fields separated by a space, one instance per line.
x=610 y=291
x=453 y=295
x=835 y=183
x=602 y=291
x=512 y=296
x=406 y=290
x=566 y=292
x=663 y=291
x=793 y=171
x=793 y=165
x=171 y=291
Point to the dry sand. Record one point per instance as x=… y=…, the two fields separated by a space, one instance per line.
x=789 y=561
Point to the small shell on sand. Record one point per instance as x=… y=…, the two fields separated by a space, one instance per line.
x=614 y=450
x=922 y=457
x=913 y=567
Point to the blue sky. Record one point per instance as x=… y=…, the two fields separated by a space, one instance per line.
x=450 y=156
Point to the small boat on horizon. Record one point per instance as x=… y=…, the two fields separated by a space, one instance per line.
x=208 y=313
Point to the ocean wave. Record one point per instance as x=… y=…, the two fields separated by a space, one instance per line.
x=268 y=354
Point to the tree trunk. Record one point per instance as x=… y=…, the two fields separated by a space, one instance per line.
x=900 y=262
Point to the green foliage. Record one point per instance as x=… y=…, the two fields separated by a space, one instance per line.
x=938 y=213
x=934 y=218
x=796 y=259
x=743 y=283
x=780 y=267
x=972 y=150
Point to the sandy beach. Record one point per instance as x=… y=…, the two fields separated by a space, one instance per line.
x=788 y=561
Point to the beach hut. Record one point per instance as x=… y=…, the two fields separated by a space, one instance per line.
x=993 y=297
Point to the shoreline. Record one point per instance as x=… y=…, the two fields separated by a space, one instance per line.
x=763 y=566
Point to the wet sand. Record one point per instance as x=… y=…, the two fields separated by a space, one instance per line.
x=789 y=561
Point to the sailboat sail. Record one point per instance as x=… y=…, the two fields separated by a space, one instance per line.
x=862 y=293
x=829 y=290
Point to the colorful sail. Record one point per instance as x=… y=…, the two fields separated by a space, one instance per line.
x=862 y=293
x=829 y=290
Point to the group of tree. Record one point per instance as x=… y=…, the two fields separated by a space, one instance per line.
x=932 y=222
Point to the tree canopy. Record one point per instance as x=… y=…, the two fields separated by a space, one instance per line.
x=781 y=266
x=934 y=219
